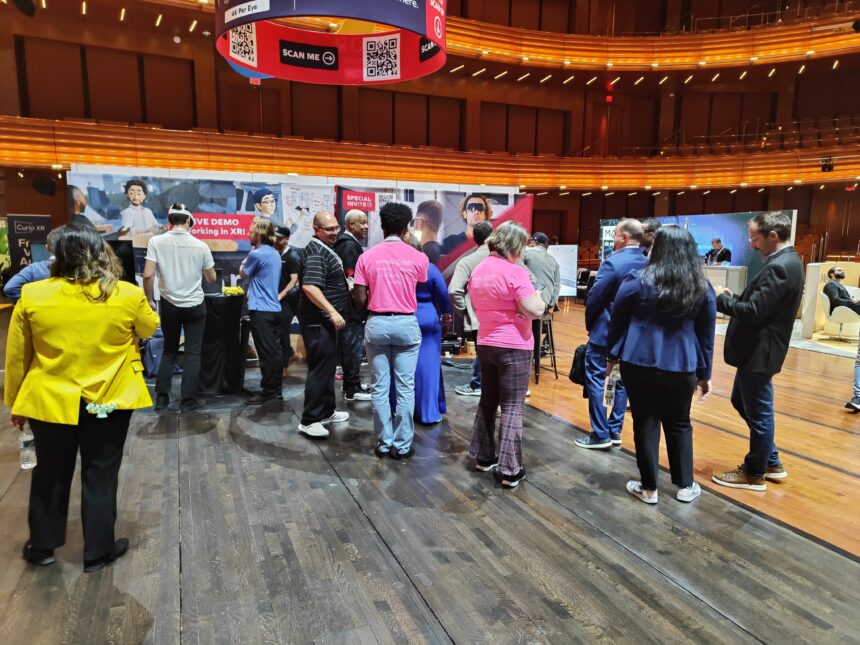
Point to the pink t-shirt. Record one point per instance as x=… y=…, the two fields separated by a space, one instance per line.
x=495 y=288
x=390 y=270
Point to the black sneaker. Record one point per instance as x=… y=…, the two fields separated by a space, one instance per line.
x=615 y=438
x=262 y=397
x=120 y=548
x=188 y=405
x=486 y=466
x=39 y=558
x=853 y=404
x=161 y=402
x=395 y=454
x=593 y=442
x=358 y=395
x=381 y=450
x=510 y=481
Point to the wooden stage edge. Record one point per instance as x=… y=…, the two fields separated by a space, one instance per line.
x=819 y=440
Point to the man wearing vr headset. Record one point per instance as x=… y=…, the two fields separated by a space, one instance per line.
x=181 y=261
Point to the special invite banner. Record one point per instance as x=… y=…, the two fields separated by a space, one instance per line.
x=414 y=47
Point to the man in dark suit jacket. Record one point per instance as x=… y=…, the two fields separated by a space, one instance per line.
x=289 y=279
x=626 y=259
x=350 y=341
x=762 y=318
x=837 y=294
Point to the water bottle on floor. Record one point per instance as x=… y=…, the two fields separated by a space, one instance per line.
x=609 y=388
x=28 y=450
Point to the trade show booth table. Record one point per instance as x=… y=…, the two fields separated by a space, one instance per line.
x=222 y=367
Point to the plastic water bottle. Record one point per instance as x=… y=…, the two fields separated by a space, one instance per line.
x=28 y=450
x=609 y=387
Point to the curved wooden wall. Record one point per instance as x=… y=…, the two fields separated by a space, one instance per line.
x=44 y=143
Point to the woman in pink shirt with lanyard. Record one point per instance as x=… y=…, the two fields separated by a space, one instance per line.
x=505 y=303
x=390 y=271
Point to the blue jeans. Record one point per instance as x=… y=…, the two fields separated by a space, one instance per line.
x=595 y=376
x=475 y=383
x=752 y=397
x=392 y=344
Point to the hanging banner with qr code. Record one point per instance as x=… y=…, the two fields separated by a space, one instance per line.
x=337 y=54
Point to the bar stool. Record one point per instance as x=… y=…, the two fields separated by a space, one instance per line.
x=545 y=321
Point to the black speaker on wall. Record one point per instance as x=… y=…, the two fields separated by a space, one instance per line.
x=45 y=185
x=27 y=7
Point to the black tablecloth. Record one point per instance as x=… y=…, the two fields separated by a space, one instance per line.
x=222 y=366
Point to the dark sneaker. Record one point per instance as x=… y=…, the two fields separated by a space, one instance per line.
x=358 y=395
x=381 y=450
x=120 y=548
x=775 y=472
x=467 y=390
x=395 y=454
x=161 y=402
x=39 y=558
x=593 y=442
x=853 y=404
x=486 y=466
x=510 y=481
x=738 y=478
x=261 y=397
x=189 y=405
x=615 y=438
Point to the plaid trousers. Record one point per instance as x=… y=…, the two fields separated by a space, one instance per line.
x=504 y=381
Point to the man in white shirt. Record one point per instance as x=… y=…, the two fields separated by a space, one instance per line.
x=181 y=261
x=137 y=218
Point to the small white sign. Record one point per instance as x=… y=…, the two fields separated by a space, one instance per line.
x=247 y=9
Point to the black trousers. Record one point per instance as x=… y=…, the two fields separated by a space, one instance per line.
x=266 y=330
x=350 y=346
x=658 y=397
x=321 y=346
x=100 y=442
x=173 y=320
x=286 y=323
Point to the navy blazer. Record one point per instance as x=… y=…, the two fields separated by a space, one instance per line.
x=638 y=334
x=598 y=307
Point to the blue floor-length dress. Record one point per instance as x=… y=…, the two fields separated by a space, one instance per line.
x=433 y=301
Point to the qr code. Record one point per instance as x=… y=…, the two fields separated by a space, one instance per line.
x=382 y=58
x=243 y=44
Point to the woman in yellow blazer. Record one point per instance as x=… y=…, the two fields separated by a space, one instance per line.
x=71 y=357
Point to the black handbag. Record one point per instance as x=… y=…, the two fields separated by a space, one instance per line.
x=577 y=369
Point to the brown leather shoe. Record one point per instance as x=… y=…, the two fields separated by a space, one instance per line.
x=774 y=473
x=738 y=478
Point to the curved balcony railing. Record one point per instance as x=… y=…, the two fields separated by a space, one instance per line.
x=44 y=143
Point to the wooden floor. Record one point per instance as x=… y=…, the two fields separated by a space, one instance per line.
x=818 y=439
x=242 y=531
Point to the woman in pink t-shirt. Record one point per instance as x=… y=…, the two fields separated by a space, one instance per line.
x=505 y=303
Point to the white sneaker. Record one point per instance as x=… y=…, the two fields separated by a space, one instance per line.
x=689 y=493
x=528 y=393
x=316 y=430
x=338 y=417
x=647 y=496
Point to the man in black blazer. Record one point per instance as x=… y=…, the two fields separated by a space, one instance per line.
x=837 y=294
x=762 y=318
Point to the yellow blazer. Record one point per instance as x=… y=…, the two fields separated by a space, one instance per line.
x=63 y=347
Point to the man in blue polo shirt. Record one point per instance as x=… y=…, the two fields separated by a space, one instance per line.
x=262 y=271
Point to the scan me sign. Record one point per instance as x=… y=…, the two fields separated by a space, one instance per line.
x=250 y=39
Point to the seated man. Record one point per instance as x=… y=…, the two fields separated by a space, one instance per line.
x=837 y=294
x=718 y=254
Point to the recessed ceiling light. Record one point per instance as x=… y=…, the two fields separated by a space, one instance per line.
x=693 y=186
x=655 y=194
x=639 y=80
x=568 y=80
x=524 y=76
x=500 y=74
x=790 y=188
x=802 y=69
x=608 y=194
x=543 y=193
x=836 y=63
x=702 y=63
x=761 y=190
x=753 y=59
x=122 y=14
x=479 y=72
x=663 y=80
x=688 y=79
x=158 y=20
x=591 y=80
x=771 y=72
x=733 y=191
x=84 y=8
x=743 y=75
x=615 y=80
x=715 y=77
x=810 y=52
x=707 y=192
x=586 y=194
x=546 y=78
x=744 y=184
x=604 y=188
x=633 y=193
x=192 y=26
x=821 y=187
x=457 y=69
x=655 y=65
x=680 y=192
x=797 y=181
x=564 y=193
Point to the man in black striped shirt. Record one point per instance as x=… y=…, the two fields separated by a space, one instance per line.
x=321 y=309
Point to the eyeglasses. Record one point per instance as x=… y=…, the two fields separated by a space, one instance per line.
x=329 y=229
x=477 y=207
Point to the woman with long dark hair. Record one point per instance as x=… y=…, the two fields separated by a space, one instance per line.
x=662 y=331
x=73 y=370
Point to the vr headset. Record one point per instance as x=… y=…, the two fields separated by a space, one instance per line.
x=181 y=209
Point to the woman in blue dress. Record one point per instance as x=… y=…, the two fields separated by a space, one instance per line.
x=433 y=301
